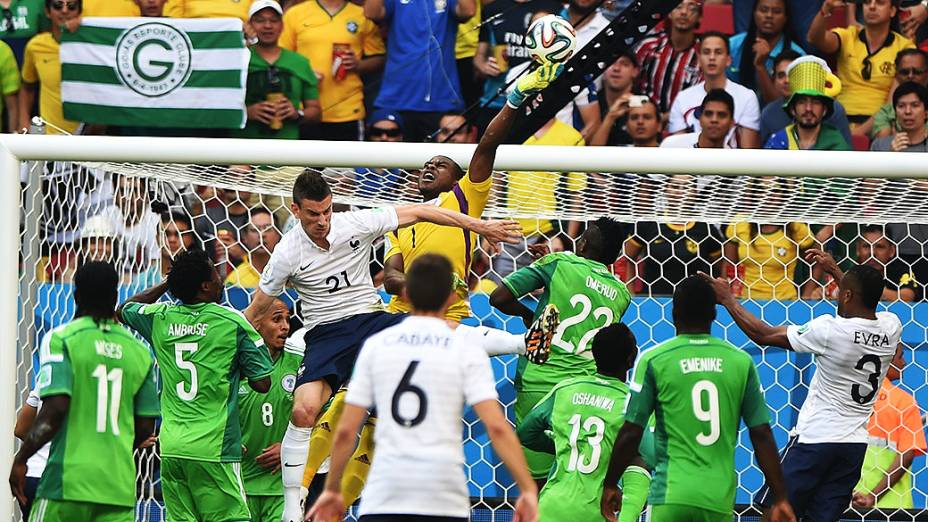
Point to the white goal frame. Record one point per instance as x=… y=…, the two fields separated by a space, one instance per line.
x=16 y=149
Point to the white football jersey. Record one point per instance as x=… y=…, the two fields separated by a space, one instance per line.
x=336 y=283
x=851 y=358
x=419 y=376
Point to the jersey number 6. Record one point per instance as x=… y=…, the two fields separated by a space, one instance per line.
x=405 y=387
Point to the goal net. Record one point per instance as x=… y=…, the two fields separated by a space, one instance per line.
x=139 y=202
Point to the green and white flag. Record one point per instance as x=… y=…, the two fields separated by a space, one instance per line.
x=155 y=72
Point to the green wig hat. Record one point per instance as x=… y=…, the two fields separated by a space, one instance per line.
x=811 y=76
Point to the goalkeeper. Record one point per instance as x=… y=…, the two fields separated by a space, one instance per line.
x=445 y=183
x=578 y=422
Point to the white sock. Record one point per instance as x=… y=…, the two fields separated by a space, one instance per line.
x=293 y=451
x=493 y=341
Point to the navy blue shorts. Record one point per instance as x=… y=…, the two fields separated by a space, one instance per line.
x=332 y=348
x=820 y=478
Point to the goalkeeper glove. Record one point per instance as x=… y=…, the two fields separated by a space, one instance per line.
x=533 y=82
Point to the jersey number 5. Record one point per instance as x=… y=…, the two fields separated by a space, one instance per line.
x=183 y=392
x=403 y=388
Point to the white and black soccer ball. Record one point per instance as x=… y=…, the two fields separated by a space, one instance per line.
x=551 y=39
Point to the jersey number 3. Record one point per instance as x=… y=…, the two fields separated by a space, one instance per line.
x=403 y=388
x=873 y=378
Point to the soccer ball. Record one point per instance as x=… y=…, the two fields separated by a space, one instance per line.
x=551 y=39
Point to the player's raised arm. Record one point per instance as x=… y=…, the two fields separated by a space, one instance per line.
x=494 y=231
x=147 y=296
x=755 y=328
x=260 y=305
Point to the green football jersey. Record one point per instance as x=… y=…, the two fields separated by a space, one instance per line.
x=577 y=421
x=264 y=419
x=588 y=298
x=109 y=376
x=203 y=350
x=699 y=388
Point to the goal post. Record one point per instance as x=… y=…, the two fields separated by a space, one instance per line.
x=631 y=184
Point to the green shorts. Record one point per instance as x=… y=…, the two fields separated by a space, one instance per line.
x=269 y=508
x=47 y=510
x=681 y=513
x=198 y=491
x=539 y=463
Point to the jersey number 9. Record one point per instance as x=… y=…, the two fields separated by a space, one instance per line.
x=709 y=413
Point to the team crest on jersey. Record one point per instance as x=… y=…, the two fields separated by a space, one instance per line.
x=691 y=246
x=288 y=382
x=352 y=27
x=355 y=244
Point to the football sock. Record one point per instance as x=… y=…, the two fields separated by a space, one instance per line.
x=636 y=481
x=320 y=444
x=493 y=341
x=293 y=450
x=359 y=465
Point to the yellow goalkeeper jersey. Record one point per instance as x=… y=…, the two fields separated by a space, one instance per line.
x=454 y=243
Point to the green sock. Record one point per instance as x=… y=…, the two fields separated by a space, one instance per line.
x=635 y=484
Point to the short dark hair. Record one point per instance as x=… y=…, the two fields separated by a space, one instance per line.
x=910 y=52
x=96 y=290
x=261 y=209
x=715 y=34
x=310 y=185
x=190 y=270
x=629 y=53
x=785 y=55
x=429 y=281
x=719 y=95
x=907 y=88
x=866 y=281
x=694 y=303
x=604 y=238
x=868 y=229
x=177 y=216
x=612 y=346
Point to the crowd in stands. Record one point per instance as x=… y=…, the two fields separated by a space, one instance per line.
x=797 y=74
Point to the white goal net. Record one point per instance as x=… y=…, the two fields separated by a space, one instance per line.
x=682 y=216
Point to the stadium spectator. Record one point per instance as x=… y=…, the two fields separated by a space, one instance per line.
x=41 y=65
x=644 y=124
x=383 y=126
x=421 y=77
x=134 y=224
x=714 y=58
x=207 y=9
x=35 y=466
x=151 y=8
x=220 y=225
x=865 y=56
x=529 y=193
x=912 y=19
x=501 y=48
x=177 y=235
x=801 y=13
x=877 y=250
x=716 y=121
x=98 y=242
x=671 y=252
x=896 y=437
x=282 y=93
x=774 y=118
x=111 y=7
x=21 y=20
x=341 y=45
x=753 y=52
x=465 y=47
x=809 y=104
x=618 y=84
x=9 y=87
x=767 y=255
x=909 y=100
x=669 y=59
x=259 y=239
x=454 y=128
x=911 y=66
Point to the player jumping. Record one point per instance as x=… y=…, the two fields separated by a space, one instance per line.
x=853 y=350
x=419 y=375
x=578 y=422
x=699 y=388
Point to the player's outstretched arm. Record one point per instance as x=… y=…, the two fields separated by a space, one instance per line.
x=767 y=458
x=756 y=329
x=506 y=445
x=47 y=423
x=494 y=231
x=481 y=164
x=534 y=427
x=394 y=275
x=260 y=304
x=331 y=505
x=147 y=296
x=505 y=301
x=824 y=261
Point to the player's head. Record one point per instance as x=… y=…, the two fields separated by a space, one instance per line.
x=693 y=306
x=438 y=175
x=429 y=281
x=312 y=204
x=96 y=290
x=860 y=291
x=614 y=350
x=193 y=278
x=602 y=240
x=274 y=325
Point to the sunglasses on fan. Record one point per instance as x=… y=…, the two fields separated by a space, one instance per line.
x=59 y=6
